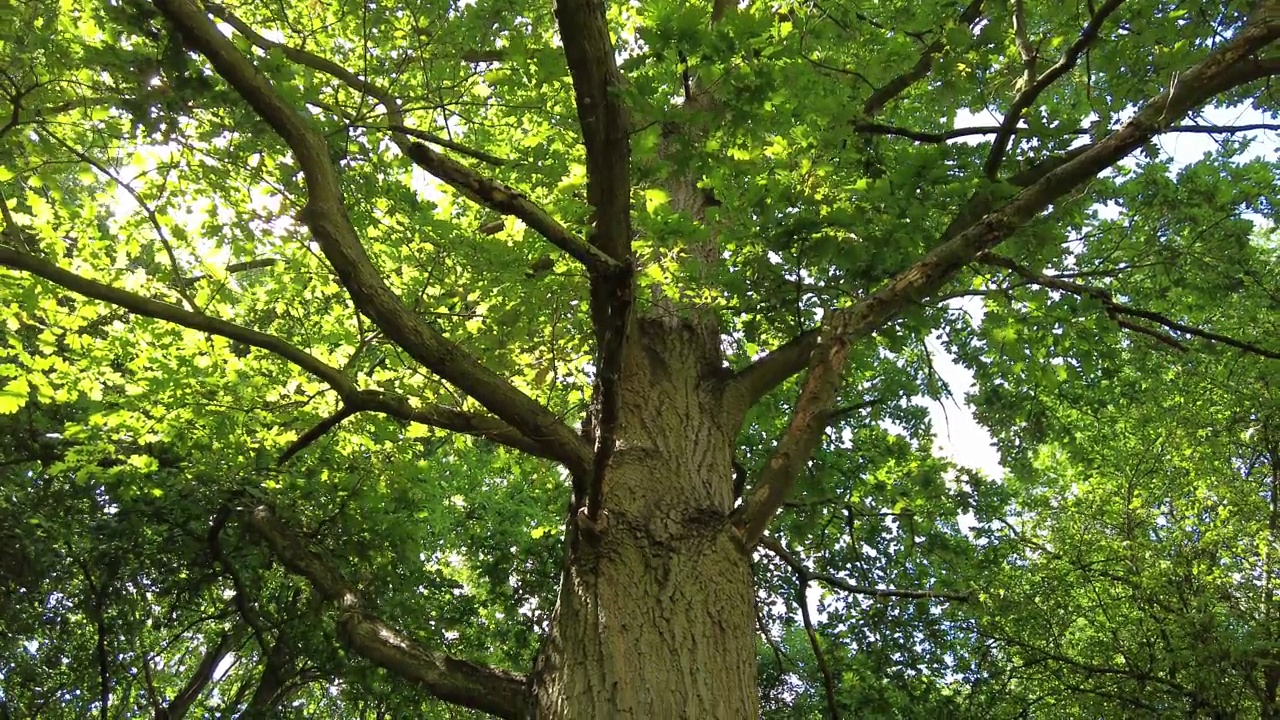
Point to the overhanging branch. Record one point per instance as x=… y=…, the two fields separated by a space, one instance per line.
x=396 y=406
x=450 y=679
x=326 y=216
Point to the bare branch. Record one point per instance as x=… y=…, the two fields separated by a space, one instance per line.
x=1028 y=94
x=326 y=216
x=1115 y=308
x=778 y=549
x=1232 y=64
x=448 y=678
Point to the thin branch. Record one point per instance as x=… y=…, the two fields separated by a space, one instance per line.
x=97 y=615
x=213 y=655
x=448 y=678
x=506 y=200
x=828 y=684
x=326 y=216
x=1154 y=334
x=316 y=432
x=477 y=187
x=923 y=136
x=895 y=87
x=1224 y=129
x=234 y=268
x=778 y=654
x=1232 y=64
x=172 y=313
x=174 y=267
x=772 y=544
x=240 y=595
x=447 y=418
x=1115 y=308
x=445 y=143
x=1029 y=94
x=488 y=427
x=1023 y=42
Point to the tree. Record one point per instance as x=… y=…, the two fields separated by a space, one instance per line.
x=445 y=330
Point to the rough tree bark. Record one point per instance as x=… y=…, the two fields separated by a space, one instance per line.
x=655 y=611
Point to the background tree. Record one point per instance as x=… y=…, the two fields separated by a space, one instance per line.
x=446 y=330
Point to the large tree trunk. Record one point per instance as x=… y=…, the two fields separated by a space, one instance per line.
x=655 y=611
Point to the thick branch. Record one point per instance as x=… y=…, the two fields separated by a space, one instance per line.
x=800 y=439
x=751 y=383
x=1230 y=65
x=178 y=707
x=774 y=546
x=396 y=406
x=326 y=216
x=602 y=115
x=504 y=199
x=448 y=678
x=1029 y=94
x=1115 y=308
x=597 y=85
x=982 y=201
x=485 y=191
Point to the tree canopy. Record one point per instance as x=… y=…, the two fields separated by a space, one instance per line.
x=323 y=323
